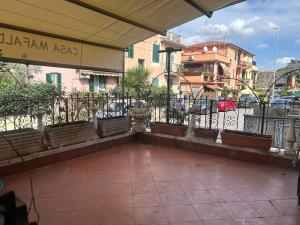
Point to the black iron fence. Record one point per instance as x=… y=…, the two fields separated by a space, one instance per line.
x=247 y=115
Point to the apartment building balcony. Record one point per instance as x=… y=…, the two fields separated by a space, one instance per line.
x=172 y=39
x=244 y=64
x=174 y=67
x=189 y=58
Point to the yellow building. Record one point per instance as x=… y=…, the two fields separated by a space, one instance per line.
x=146 y=54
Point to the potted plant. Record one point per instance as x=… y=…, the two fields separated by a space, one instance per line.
x=64 y=134
x=247 y=139
x=112 y=126
x=210 y=134
x=177 y=128
x=25 y=141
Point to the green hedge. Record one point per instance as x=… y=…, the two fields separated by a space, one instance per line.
x=26 y=99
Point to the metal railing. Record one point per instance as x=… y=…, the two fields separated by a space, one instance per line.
x=241 y=115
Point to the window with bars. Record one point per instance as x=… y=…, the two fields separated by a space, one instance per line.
x=155 y=53
x=97 y=83
x=54 y=79
x=130 y=53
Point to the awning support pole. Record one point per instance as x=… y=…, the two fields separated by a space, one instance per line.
x=169 y=51
x=123 y=91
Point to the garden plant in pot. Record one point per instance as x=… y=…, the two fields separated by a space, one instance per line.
x=176 y=126
x=246 y=139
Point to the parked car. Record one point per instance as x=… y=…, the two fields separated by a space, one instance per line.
x=247 y=102
x=291 y=99
x=226 y=104
x=203 y=106
x=280 y=103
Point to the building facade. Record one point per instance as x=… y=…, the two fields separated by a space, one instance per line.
x=146 y=54
x=71 y=80
x=211 y=66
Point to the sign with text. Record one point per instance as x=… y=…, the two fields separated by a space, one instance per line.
x=21 y=45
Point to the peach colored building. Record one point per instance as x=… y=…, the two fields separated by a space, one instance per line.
x=215 y=65
x=145 y=53
x=71 y=80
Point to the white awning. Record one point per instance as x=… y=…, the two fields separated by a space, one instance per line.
x=89 y=33
x=100 y=73
x=224 y=67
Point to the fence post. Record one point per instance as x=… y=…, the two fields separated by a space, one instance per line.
x=210 y=113
x=39 y=116
x=263 y=118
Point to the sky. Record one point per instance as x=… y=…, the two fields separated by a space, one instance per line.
x=250 y=25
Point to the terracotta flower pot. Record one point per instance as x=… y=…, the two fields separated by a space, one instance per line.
x=113 y=126
x=25 y=141
x=246 y=139
x=59 y=135
x=170 y=129
x=211 y=134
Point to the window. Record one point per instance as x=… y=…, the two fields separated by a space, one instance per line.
x=195 y=90
x=54 y=79
x=170 y=82
x=97 y=83
x=155 y=82
x=155 y=53
x=253 y=75
x=129 y=53
x=244 y=75
x=141 y=62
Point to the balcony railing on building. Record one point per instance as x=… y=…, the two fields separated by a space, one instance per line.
x=174 y=67
x=244 y=63
x=170 y=36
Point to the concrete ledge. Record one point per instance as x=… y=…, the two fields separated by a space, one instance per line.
x=207 y=147
x=45 y=158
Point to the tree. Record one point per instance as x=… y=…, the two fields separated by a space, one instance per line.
x=16 y=73
x=284 y=91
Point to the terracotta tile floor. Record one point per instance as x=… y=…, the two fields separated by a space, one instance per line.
x=136 y=184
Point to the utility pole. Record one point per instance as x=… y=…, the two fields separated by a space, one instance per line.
x=169 y=51
x=275 y=58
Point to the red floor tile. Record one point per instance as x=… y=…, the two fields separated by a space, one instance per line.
x=225 y=195
x=146 y=200
x=150 y=215
x=200 y=197
x=264 y=208
x=239 y=210
x=143 y=187
x=174 y=198
x=168 y=186
x=134 y=185
x=211 y=211
x=180 y=213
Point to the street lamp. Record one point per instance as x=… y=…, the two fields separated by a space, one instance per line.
x=275 y=58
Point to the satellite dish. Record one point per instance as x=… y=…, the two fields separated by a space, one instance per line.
x=215 y=49
x=205 y=49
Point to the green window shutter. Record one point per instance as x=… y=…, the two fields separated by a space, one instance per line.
x=48 y=78
x=91 y=84
x=102 y=82
x=59 y=81
x=155 y=53
x=130 y=51
x=155 y=83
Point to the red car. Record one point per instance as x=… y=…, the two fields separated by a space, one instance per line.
x=226 y=104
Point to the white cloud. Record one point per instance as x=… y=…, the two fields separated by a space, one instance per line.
x=284 y=60
x=262 y=45
x=297 y=42
x=235 y=29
